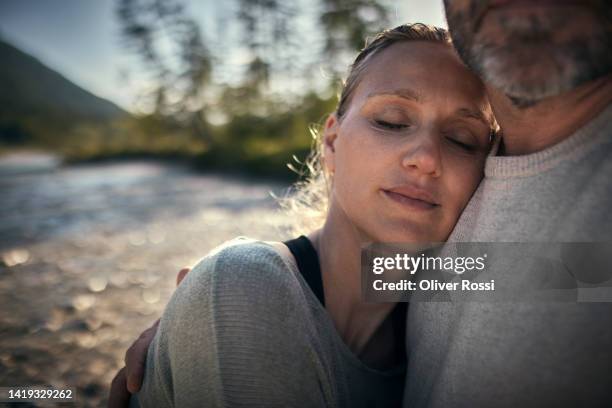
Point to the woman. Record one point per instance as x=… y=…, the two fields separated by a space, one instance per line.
x=284 y=324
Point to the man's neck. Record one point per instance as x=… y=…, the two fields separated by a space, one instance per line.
x=551 y=120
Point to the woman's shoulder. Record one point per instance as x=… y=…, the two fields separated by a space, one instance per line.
x=244 y=251
x=242 y=280
x=247 y=261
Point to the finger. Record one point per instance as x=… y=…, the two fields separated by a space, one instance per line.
x=136 y=357
x=119 y=396
x=181 y=275
x=135 y=363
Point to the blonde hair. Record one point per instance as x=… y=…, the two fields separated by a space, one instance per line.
x=307 y=201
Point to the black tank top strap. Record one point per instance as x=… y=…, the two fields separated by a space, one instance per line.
x=308 y=263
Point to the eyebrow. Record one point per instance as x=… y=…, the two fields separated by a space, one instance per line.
x=402 y=93
x=473 y=114
x=416 y=97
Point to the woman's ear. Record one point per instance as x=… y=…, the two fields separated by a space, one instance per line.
x=330 y=135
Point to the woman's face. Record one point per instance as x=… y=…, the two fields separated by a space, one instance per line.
x=409 y=151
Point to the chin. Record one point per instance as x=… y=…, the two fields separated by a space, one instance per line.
x=532 y=53
x=541 y=55
x=543 y=73
x=400 y=232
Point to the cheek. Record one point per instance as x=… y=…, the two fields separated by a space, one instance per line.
x=352 y=167
x=461 y=178
x=361 y=161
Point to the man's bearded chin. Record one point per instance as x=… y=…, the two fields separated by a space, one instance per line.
x=531 y=60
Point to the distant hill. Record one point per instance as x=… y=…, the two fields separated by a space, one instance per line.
x=28 y=86
x=34 y=97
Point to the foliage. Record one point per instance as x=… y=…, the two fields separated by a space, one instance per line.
x=179 y=73
x=257 y=122
x=251 y=122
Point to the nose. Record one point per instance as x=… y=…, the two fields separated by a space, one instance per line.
x=422 y=154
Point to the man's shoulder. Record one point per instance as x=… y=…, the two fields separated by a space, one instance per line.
x=559 y=194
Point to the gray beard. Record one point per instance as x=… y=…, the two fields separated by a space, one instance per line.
x=516 y=68
x=571 y=66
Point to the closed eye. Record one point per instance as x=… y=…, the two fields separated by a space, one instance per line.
x=389 y=125
x=462 y=145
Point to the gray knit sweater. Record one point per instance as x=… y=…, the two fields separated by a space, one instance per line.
x=473 y=354
x=244 y=329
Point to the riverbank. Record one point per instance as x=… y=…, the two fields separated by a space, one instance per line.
x=89 y=255
x=273 y=166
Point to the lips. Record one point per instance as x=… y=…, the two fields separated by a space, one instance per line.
x=412 y=196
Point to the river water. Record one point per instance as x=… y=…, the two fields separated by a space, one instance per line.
x=89 y=256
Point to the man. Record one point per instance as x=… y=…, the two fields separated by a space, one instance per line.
x=548 y=68
x=548 y=71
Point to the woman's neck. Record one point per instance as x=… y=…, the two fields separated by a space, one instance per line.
x=338 y=245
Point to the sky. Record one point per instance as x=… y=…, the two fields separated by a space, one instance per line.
x=80 y=39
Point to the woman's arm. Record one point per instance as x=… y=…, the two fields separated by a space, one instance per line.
x=236 y=332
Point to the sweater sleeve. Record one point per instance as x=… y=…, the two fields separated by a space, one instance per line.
x=236 y=333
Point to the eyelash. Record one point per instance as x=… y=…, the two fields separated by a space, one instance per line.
x=391 y=126
x=400 y=126
x=462 y=145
